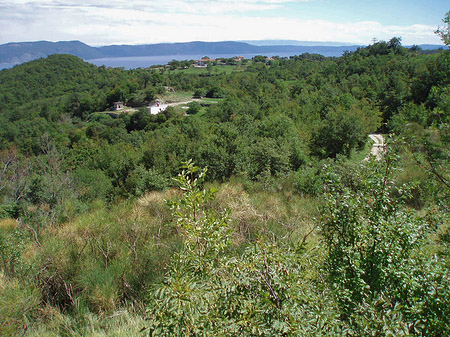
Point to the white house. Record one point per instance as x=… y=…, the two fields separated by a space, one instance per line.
x=157 y=107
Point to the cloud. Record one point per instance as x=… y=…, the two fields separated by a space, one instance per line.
x=180 y=6
x=99 y=22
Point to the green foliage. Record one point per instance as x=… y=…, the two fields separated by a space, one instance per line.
x=10 y=210
x=342 y=130
x=144 y=181
x=194 y=108
x=259 y=58
x=50 y=189
x=20 y=306
x=429 y=149
x=92 y=184
x=205 y=232
x=360 y=228
x=257 y=293
x=376 y=253
x=104 y=258
x=266 y=157
x=13 y=243
x=308 y=181
x=215 y=92
x=66 y=170
x=444 y=32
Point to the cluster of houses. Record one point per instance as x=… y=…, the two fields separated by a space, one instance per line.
x=157 y=106
x=204 y=61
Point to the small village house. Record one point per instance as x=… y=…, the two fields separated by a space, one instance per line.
x=118 y=106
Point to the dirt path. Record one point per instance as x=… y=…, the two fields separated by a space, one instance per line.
x=183 y=103
x=378 y=146
x=156 y=109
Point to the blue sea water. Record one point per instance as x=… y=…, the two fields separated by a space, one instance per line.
x=147 y=61
x=133 y=62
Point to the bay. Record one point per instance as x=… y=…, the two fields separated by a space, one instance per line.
x=133 y=62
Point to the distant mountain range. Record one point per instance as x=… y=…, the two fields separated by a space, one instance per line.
x=26 y=51
x=294 y=43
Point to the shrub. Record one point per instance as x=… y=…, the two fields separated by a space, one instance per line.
x=13 y=243
x=262 y=292
x=92 y=184
x=142 y=181
x=194 y=108
x=308 y=181
x=10 y=210
x=377 y=257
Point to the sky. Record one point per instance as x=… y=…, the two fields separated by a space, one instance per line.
x=105 y=22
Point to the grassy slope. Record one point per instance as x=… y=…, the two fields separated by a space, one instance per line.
x=130 y=243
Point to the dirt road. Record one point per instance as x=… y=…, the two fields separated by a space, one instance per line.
x=378 y=146
x=183 y=103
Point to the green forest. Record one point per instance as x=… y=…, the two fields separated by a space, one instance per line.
x=252 y=208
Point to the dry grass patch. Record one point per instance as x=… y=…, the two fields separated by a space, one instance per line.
x=272 y=213
x=8 y=224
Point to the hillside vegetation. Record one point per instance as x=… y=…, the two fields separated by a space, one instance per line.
x=254 y=215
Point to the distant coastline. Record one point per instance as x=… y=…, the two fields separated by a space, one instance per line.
x=140 y=56
x=132 y=56
x=133 y=62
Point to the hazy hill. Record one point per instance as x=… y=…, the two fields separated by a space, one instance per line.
x=27 y=51
x=16 y=53
x=187 y=48
x=294 y=43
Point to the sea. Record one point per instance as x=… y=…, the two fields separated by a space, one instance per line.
x=134 y=62
x=147 y=61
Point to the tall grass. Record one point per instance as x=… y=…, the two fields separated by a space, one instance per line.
x=105 y=258
x=90 y=276
x=275 y=210
x=119 y=324
x=19 y=306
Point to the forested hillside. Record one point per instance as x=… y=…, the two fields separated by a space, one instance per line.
x=274 y=225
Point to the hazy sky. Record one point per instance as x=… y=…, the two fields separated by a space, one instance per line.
x=101 y=22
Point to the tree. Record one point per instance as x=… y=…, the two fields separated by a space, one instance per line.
x=429 y=141
x=444 y=32
x=198 y=93
x=395 y=44
x=194 y=108
x=339 y=133
x=259 y=58
x=215 y=92
x=15 y=176
x=139 y=120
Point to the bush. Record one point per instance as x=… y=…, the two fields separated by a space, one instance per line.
x=11 y=210
x=198 y=93
x=377 y=257
x=13 y=243
x=215 y=92
x=92 y=184
x=194 y=108
x=308 y=181
x=143 y=181
x=262 y=292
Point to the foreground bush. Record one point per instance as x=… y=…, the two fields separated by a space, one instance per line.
x=368 y=280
